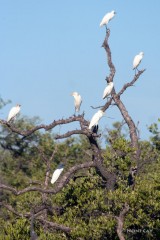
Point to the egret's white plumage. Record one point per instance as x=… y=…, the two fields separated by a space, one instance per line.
x=107 y=18
x=13 y=112
x=95 y=119
x=77 y=100
x=108 y=90
x=57 y=173
x=137 y=60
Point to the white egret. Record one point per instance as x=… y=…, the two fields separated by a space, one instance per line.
x=95 y=119
x=107 y=18
x=137 y=60
x=57 y=173
x=108 y=90
x=77 y=101
x=13 y=112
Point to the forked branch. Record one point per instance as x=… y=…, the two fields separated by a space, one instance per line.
x=117 y=100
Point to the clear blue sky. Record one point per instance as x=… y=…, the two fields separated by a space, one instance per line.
x=50 y=48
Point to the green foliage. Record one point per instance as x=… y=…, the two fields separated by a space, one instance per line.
x=17 y=229
x=84 y=204
x=154 y=129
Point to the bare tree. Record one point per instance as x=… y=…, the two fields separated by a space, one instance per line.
x=96 y=162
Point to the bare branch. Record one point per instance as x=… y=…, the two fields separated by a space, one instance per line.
x=42 y=154
x=107 y=105
x=70 y=133
x=36 y=211
x=34 y=216
x=116 y=98
x=109 y=58
x=54 y=225
x=101 y=170
x=79 y=118
x=62 y=182
x=32 y=232
x=97 y=107
x=86 y=132
x=129 y=121
x=120 y=221
x=34 y=182
x=130 y=84
x=11 y=209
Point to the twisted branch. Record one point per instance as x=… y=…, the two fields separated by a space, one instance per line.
x=62 y=182
x=35 y=216
x=118 y=102
x=48 y=127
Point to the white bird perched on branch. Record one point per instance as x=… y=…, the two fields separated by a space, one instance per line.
x=13 y=112
x=95 y=119
x=137 y=60
x=107 y=18
x=108 y=90
x=57 y=173
x=77 y=101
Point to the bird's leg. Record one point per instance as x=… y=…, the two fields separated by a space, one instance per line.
x=106 y=28
x=108 y=98
x=138 y=70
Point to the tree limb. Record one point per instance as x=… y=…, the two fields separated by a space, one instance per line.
x=35 y=216
x=11 y=209
x=54 y=225
x=98 y=160
x=130 y=84
x=26 y=133
x=120 y=221
x=116 y=98
x=62 y=182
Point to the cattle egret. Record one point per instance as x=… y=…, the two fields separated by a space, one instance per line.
x=137 y=60
x=57 y=173
x=95 y=119
x=108 y=90
x=107 y=18
x=13 y=112
x=77 y=101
